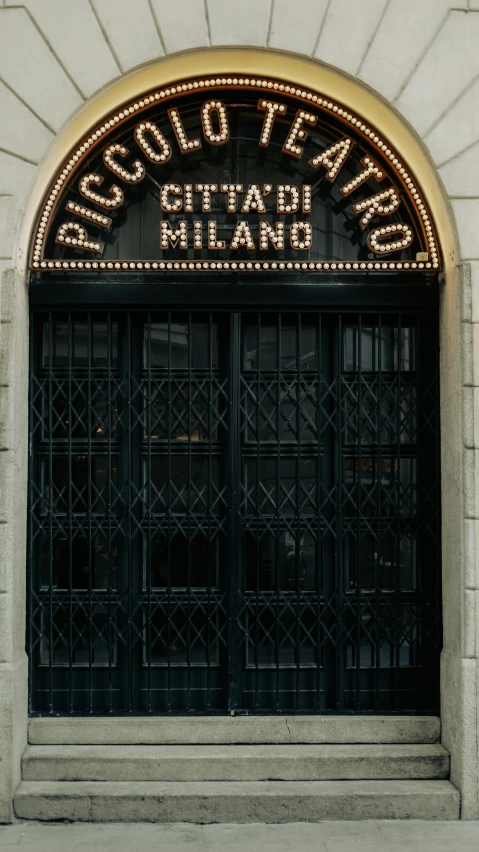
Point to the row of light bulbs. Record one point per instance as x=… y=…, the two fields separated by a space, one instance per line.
x=232 y=82
x=264 y=265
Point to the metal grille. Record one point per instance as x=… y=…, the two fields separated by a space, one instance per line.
x=234 y=512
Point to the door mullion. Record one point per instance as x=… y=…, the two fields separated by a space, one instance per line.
x=234 y=543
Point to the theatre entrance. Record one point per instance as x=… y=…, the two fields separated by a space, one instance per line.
x=234 y=413
x=235 y=511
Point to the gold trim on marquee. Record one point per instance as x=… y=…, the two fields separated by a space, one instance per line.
x=426 y=194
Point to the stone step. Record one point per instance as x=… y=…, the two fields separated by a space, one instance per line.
x=236 y=801
x=234 y=762
x=233 y=729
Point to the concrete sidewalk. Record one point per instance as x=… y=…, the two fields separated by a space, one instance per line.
x=387 y=836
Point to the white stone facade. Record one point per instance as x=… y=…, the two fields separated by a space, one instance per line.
x=421 y=56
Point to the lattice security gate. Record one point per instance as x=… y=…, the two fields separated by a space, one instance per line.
x=234 y=512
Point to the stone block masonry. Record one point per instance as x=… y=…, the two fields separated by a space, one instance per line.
x=421 y=56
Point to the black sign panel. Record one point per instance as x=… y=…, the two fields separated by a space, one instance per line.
x=234 y=174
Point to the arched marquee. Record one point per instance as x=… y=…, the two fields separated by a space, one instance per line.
x=234 y=173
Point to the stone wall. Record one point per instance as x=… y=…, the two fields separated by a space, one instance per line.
x=422 y=57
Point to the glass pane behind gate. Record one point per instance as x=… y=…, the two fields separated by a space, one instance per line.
x=339 y=599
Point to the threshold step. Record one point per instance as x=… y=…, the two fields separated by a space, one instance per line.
x=236 y=801
x=234 y=762
x=164 y=730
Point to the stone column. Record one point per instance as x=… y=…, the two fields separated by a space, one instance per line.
x=460 y=539
x=13 y=529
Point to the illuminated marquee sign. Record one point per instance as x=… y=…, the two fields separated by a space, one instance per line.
x=234 y=174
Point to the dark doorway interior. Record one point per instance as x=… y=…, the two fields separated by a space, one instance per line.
x=234 y=511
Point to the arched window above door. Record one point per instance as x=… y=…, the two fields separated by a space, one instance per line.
x=234 y=173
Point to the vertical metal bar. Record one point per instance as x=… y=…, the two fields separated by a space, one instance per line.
x=380 y=558
x=420 y=472
x=298 y=514
x=398 y=515
x=70 y=517
x=236 y=579
x=189 y=510
x=50 y=514
x=257 y=500
x=109 y=518
x=149 y=543
x=435 y=699
x=130 y=517
x=340 y=609
x=210 y=549
x=34 y=568
x=277 y=582
x=235 y=530
x=318 y=556
x=169 y=426
x=89 y=514
x=359 y=525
